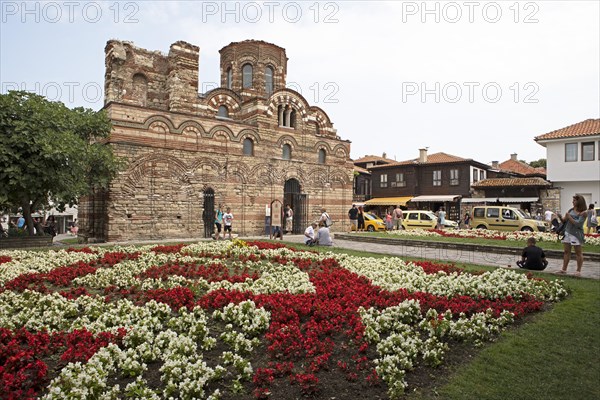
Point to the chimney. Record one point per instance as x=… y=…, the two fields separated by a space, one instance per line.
x=513 y=156
x=384 y=155
x=495 y=164
x=423 y=155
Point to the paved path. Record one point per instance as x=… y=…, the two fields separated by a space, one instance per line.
x=591 y=269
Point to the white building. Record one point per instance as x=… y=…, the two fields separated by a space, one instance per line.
x=573 y=161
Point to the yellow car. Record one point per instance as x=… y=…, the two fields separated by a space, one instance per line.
x=423 y=219
x=597 y=209
x=373 y=223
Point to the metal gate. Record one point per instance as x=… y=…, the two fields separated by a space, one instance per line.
x=208 y=212
x=299 y=201
x=300 y=204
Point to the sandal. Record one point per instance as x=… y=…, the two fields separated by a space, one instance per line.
x=576 y=274
x=561 y=272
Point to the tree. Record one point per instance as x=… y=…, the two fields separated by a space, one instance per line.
x=539 y=163
x=50 y=153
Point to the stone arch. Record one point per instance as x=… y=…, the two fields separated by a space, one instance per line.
x=223 y=129
x=318 y=176
x=206 y=169
x=142 y=168
x=321 y=119
x=248 y=133
x=237 y=169
x=339 y=176
x=191 y=126
x=322 y=145
x=159 y=118
x=288 y=97
x=263 y=174
x=223 y=97
x=340 y=151
x=283 y=139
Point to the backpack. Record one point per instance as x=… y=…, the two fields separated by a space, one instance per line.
x=328 y=221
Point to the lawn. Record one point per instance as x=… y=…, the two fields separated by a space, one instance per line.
x=230 y=321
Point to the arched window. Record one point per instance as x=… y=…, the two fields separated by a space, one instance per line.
x=140 y=89
x=322 y=156
x=286 y=116
x=269 y=80
x=248 y=147
x=223 y=112
x=229 y=78
x=286 y=153
x=247 y=76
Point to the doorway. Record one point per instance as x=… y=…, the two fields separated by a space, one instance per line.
x=292 y=195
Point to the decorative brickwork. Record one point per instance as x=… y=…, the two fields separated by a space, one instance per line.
x=188 y=153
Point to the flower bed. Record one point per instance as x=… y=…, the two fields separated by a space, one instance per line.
x=520 y=236
x=240 y=320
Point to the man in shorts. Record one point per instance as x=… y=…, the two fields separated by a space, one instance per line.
x=353 y=215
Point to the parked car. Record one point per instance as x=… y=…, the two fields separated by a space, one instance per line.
x=423 y=219
x=373 y=223
x=504 y=218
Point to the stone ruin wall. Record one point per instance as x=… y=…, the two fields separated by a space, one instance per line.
x=177 y=148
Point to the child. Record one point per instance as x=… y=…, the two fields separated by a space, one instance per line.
x=227 y=220
x=533 y=257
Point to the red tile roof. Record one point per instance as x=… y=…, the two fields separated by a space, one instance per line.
x=367 y=159
x=435 y=158
x=361 y=170
x=500 y=182
x=589 y=127
x=521 y=168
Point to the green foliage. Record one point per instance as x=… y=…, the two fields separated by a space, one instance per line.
x=539 y=163
x=50 y=153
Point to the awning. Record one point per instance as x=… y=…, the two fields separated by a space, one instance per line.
x=518 y=199
x=500 y=199
x=388 y=201
x=478 y=200
x=436 y=198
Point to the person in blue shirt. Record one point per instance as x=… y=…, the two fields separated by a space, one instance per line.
x=21 y=222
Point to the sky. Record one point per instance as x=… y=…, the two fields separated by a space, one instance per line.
x=474 y=79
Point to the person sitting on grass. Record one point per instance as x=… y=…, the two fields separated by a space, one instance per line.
x=533 y=257
x=323 y=237
x=309 y=234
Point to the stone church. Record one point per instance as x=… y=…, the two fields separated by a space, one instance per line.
x=246 y=145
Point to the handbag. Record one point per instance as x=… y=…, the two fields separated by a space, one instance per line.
x=560 y=230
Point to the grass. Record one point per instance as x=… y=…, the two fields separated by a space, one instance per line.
x=479 y=241
x=554 y=355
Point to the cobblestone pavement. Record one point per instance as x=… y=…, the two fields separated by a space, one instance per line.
x=590 y=269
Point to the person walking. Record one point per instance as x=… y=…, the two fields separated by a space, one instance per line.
x=467 y=220
x=353 y=216
x=228 y=221
x=592 y=220
x=389 y=225
x=361 y=219
x=574 y=236
x=289 y=217
x=398 y=216
x=219 y=222
x=441 y=218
